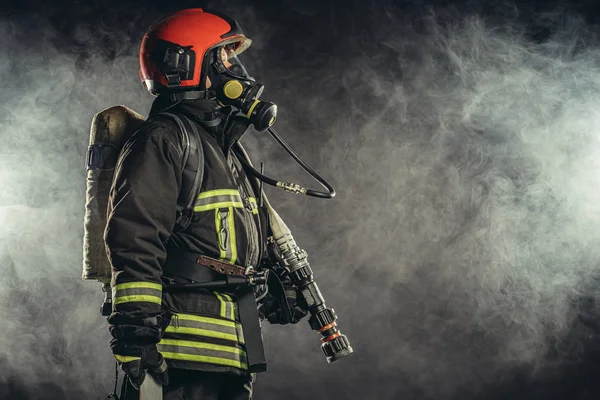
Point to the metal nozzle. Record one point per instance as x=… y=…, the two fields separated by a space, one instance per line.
x=337 y=348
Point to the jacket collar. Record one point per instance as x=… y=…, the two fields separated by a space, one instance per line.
x=213 y=117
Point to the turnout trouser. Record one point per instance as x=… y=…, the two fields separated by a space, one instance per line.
x=199 y=385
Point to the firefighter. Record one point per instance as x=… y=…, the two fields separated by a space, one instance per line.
x=190 y=341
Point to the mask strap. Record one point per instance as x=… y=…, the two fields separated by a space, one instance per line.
x=218 y=63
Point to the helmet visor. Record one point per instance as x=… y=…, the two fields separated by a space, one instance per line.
x=233 y=64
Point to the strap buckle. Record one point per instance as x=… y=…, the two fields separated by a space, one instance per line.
x=102 y=157
x=184 y=218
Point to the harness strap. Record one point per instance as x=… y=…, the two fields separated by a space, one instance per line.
x=192 y=168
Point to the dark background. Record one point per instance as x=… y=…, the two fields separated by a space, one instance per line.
x=461 y=251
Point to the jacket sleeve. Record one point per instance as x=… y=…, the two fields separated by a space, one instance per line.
x=141 y=216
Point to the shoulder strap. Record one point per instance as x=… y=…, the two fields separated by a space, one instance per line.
x=192 y=169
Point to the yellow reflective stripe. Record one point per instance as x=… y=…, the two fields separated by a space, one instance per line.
x=218 y=198
x=222 y=204
x=218 y=192
x=223 y=305
x=205 y=359
x=136 y=298
x=126 y=359
x=201 y=345
x=201 y=332
x=129 y=292
x=208 y=326
x=232 y=303
x=138 y=285
x=240 y=333
x=208 y=320
x=254 y=205
x=232 y=238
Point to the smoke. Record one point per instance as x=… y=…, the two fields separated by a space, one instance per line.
x=54 y=340
x=459 y=253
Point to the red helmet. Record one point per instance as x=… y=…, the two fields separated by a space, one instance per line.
x=173 y=51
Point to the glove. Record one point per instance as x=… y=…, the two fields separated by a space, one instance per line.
x=297 y=304
x=138 y=360
x=134 y=345
x=283 y=304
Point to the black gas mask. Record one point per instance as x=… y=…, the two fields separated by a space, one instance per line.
x=233 y=86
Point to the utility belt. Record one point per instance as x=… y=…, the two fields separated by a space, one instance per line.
x=196 y=267
x=204 y=272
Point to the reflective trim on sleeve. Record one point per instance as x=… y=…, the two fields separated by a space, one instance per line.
x=137 y=299
x=130 y=292
x=187 y=350
x=126 y=359
x=138 y=285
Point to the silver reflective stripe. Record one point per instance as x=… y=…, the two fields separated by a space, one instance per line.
x=219 y=198
x=227 y=306
x=141 y=291
x=240 y=333
x=188 y=350
x=205 y=326
x=254 y=205
x=137 y=292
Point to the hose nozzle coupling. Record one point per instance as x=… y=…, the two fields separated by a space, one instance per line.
x=335 y=345
x=291 y=187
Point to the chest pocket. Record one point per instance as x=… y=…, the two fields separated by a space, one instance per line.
x=225 y=204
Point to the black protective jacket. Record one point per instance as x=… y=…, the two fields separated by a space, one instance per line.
x=204 y=332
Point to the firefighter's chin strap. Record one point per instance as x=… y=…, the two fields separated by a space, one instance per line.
x=288 y=186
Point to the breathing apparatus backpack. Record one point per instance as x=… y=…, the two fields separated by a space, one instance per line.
x=110 y=130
